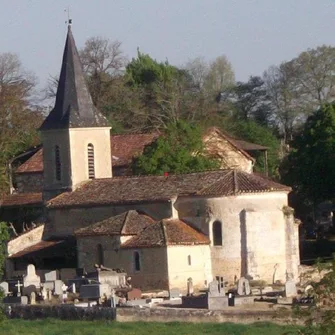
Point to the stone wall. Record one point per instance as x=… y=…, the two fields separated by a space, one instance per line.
x=68 y=312
x=29 y=182
x=254 y=234
x=228 y=155
x=63 y=222
x=153 y=273
x=180 y=269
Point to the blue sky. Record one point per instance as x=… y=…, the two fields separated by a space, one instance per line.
x=253 y=34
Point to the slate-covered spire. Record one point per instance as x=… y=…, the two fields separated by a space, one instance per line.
x=73 y=107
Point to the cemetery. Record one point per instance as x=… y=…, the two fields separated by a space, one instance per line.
x=106 y=293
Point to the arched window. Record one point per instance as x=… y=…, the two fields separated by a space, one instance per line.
x=189 y=260
x=90 y=159
x=100 y=255
x=58 y=164
x=137 y=263
x=217 y=233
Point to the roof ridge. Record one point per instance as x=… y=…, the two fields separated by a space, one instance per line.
x=124 y=222
x=235 y=181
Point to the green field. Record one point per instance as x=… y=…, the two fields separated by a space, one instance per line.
x=58 y=327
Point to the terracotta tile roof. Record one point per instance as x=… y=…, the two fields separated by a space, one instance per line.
x=125 y=147
x=128 y=223
x=119 y=190
x=248 y=146
x=36 y=247
x=33 y=164
x=167 y=232
x=237 y=182
x=21 y=199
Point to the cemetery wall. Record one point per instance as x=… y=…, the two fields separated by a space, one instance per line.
x=254 y=234
x=189 y=262
x=68 y=312
x=64 y=221
x=153 y=271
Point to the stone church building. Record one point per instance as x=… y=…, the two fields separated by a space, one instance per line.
x=161 y=230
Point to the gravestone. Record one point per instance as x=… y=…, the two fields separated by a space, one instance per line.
x=190 y=289
x=290 y=289
x=243 y=286
x=51 y=276
x=32 y=298
x=58 y=287
x=95 y=291
x=31 y=281
x=18 y=285
x=64 y=293
x=134 y=294
x=214 y=290
x=49 y=285
x=73 y=288
x=44 y=293
x=5 y=288
x=174 y=293
x=49 y=295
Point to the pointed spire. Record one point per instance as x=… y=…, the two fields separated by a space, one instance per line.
x=73 y=107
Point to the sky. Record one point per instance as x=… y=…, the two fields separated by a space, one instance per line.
x=253 y=34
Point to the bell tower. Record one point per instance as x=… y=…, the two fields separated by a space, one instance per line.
x=75 y=135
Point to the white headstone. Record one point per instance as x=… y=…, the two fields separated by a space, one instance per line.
x=5 y=288
x=214 y=289
x=58 y=287
x=243 y=287
x=31 y=280
x=18 y=285
x=64 y=294
x=44 y=293
x=290 y=289
x=32 y=298
x=74 y=288
x=51 y=276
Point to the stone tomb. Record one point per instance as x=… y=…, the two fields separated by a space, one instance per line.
x=31 y=281
x=174 y=293
x=134 y=294
x=51 y=276
x=95 y=291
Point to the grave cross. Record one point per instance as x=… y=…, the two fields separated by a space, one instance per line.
x=18 y=285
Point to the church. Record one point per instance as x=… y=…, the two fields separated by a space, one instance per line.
x=162 y=230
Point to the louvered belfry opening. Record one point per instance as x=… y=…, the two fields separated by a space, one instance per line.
x=58 y=164
x=90 y=156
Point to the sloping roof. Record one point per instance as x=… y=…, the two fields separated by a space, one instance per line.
x=125 y=147
x=73 y=107
x=248 y=146
x=167 y=232
x=33 y=164
x=36 y=247
x=119 y=190
x=128 y=223
x=237 y=182
x=21 y=199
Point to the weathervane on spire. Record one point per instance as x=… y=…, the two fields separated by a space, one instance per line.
x=69 y=20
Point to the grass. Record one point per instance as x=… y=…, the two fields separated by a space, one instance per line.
x=58 y=327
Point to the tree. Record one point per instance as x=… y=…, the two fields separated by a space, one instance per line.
x=180 y=150
x=309 y=168
x=220 y=76
x=18 y=119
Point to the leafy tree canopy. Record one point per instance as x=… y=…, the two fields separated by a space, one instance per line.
x=179 y=151
x=310 y=167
